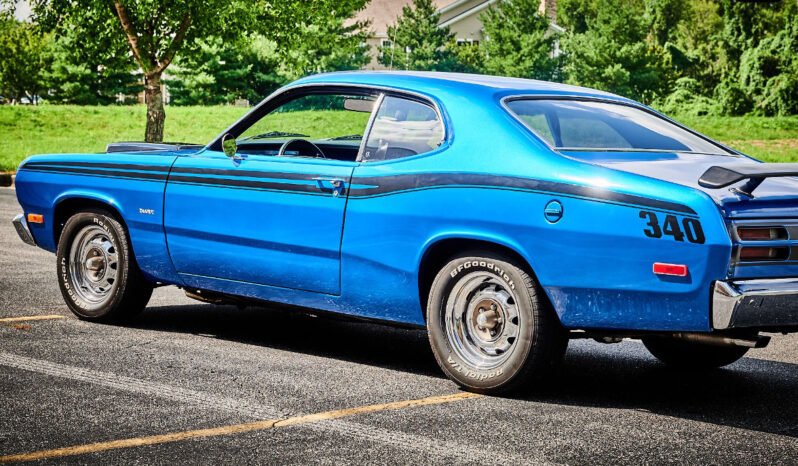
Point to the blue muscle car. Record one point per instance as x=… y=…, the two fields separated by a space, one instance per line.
x=505 y=215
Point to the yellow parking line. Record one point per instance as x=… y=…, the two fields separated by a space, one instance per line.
x=28 y=318
x=232 y=429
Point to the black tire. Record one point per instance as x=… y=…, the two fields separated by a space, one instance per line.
x=504 y=289
x=691 y=355
x=102 y=238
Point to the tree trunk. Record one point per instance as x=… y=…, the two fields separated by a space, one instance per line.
x=155 y=112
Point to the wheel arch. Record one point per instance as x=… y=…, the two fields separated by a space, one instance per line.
x=439 y=250
x=69 y=204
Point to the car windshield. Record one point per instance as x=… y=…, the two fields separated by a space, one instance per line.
x=602 y=126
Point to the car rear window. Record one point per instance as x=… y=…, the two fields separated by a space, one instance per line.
x=594 y=125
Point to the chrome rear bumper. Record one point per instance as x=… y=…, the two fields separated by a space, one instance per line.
x=770 y=303
x=22 y=229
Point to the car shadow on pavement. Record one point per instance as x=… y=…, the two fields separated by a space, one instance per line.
x=751 y=394
x=325 y=335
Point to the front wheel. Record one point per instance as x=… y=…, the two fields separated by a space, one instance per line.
x=691 y=355
x=97 y=272
x=490 y=330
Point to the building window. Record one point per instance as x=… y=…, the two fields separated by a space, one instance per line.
x=386 y=44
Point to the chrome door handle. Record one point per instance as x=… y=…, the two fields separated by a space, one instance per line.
x=336 y=183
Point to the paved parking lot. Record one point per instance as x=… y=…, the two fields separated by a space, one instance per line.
x=194 y=383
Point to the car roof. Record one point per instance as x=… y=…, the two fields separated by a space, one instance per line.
x=432 y=82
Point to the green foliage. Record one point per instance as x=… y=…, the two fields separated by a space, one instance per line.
x=77 y=75
x=613 y=52
x=23 y=59
x=154 y=32
x=222 y=71
x=697 y=39
x=519 y=42
x=732 y=98
x=417 y=41
x=687 y=99
x=318 y=40
x=663 y=18
x=769 y=71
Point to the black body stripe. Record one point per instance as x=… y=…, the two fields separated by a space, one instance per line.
x=375 y=186
x=105 y=173
x=251 y=184
x=391 y=184
x=113 y=166
x=248 y=173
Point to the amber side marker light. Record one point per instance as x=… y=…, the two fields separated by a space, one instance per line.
x=673 y=270
x=35 y=218
x=761 y=233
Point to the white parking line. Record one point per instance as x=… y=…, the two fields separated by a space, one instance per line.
x=448 y=450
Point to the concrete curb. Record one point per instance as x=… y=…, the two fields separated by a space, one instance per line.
x=7 y=179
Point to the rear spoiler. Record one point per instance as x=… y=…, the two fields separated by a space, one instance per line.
x=149 y=146
x=720 y=176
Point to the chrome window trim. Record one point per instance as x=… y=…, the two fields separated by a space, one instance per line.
x=369 y=125
x=262 y=109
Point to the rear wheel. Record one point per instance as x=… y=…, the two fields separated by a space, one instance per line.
x=489 y=329
x=97 y=272
x=691 y=355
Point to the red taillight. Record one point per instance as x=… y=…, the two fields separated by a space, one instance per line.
x=675 y=270
x=764 y=254
x=761 y=233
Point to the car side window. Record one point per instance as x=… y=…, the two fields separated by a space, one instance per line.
x=318 y=125
x=401 y=128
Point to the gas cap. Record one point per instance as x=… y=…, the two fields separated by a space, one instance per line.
x=553 y=211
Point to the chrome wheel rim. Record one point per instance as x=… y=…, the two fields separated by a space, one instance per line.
x=482 y=320
x=93 y=264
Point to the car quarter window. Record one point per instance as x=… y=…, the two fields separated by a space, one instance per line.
x=401 y=128
x=334 y=124
x=585 y=124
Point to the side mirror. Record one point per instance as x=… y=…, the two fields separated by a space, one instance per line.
x=229 y=146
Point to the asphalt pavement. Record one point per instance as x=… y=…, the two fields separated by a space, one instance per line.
x=193 y=383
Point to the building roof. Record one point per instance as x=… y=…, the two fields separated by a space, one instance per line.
x=383 y=13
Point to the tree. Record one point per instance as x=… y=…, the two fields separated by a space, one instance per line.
x=518 y=41
x=224 y=71
x=759 y=42
x=613 y=53
x=292 y=39
x=316 y=36
x=417 y=43
x=23 y=60
x=155 y=33
x=84 y=74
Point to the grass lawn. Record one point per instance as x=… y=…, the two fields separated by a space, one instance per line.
x=29 y=130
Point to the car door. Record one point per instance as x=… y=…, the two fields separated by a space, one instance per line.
x=273 y=214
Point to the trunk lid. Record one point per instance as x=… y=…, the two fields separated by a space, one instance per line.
x=774 y=198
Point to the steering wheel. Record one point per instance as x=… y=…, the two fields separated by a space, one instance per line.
x=313 y=148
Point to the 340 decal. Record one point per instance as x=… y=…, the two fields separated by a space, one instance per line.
x=689 y=228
